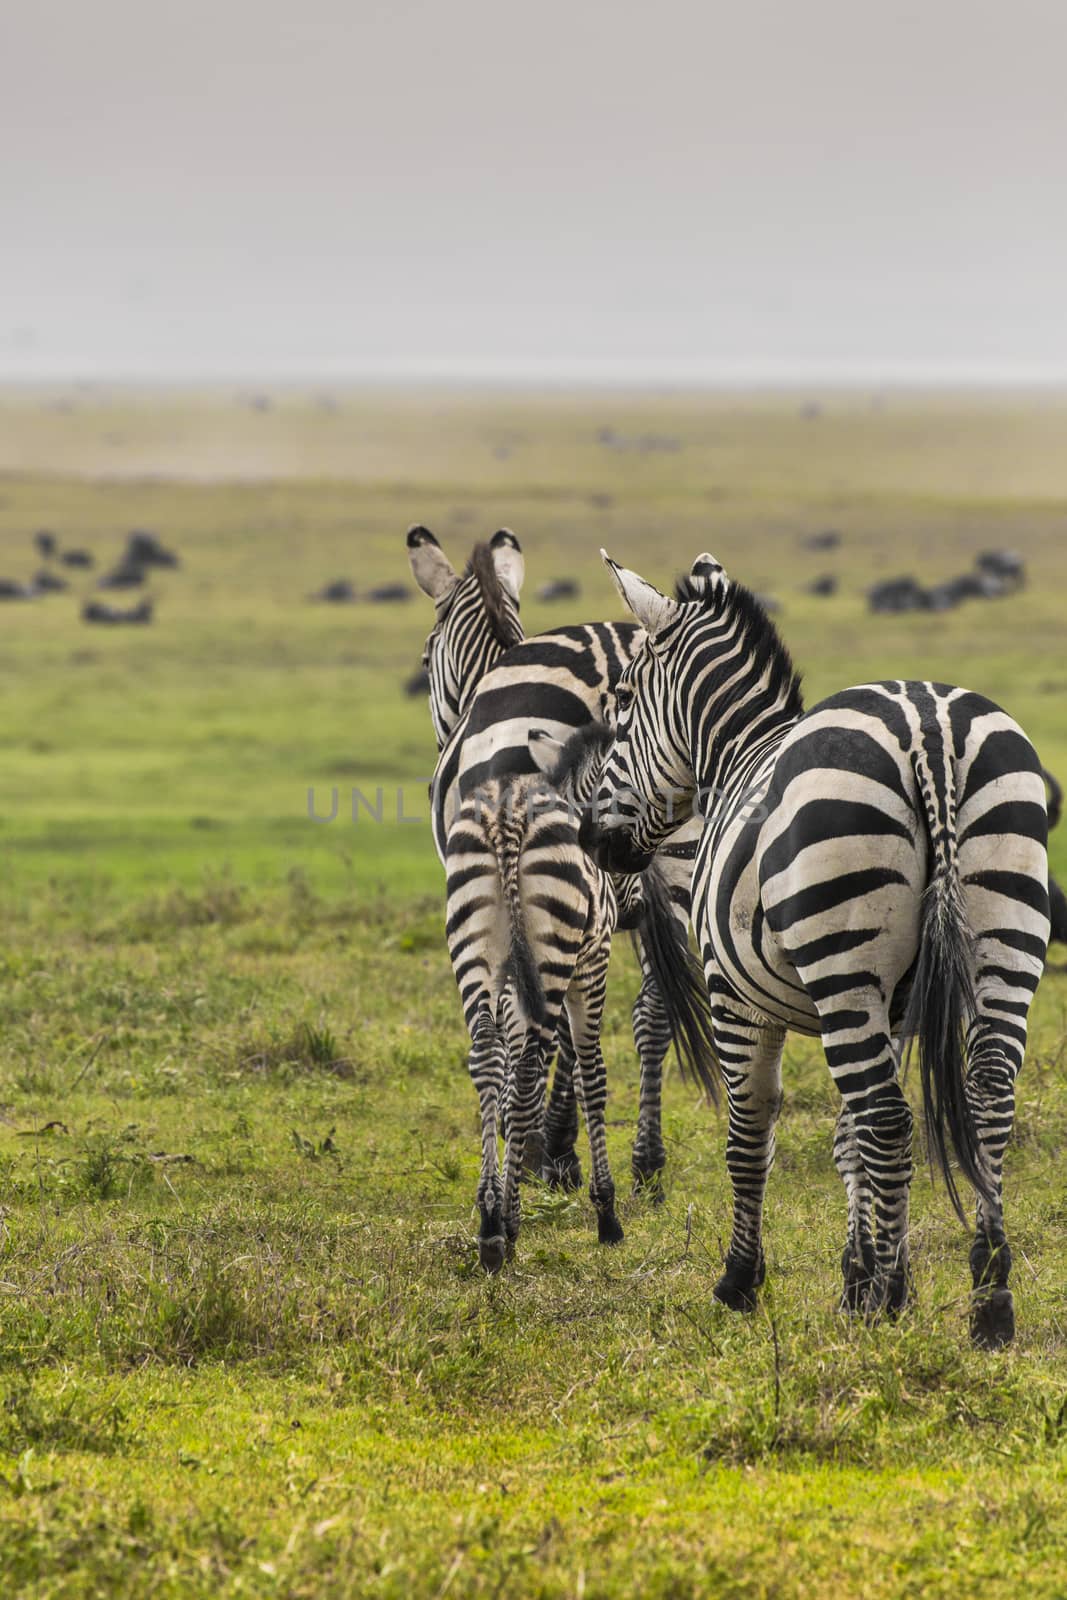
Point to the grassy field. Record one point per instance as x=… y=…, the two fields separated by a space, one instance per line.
x=245 y=1348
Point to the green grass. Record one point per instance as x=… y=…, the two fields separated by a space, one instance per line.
x=245 y=1348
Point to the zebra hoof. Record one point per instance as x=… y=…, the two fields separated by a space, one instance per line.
x=533 y=1155
x=740 y=1282
x=859 y=1275
x=493 y=1252
x=887 y=1297
x=734 y=1295
x=562 y=1172
x=609 y=1228
x=649 y=1186
x=993 y=1320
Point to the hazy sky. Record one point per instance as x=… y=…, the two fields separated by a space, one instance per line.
x=679 y=187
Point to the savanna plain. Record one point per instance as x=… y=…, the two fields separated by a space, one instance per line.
x=245 y=1346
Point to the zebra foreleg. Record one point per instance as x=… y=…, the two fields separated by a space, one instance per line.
x=561 y=1168
x=652 y=1037
x=990 y=1089
x=751 y=1057
x=585 y=1009
x=487 y=1063
x=859 y=1264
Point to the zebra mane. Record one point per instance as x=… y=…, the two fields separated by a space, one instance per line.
x=756 y=628
x=503 y=626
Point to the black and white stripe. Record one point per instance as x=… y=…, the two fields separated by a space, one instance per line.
x=477 y=618
x=872 y=870
x=529 y=926
x=486 y=702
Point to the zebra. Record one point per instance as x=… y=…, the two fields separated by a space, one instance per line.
x=872 y=870
x=489 y=688
x=530 y=920
x=477 y=620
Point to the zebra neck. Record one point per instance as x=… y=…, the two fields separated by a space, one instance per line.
x=731 y=749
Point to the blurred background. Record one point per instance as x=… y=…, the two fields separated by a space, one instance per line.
x=277 y=283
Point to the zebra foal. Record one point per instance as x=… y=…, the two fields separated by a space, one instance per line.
x=530 y=920
x=871 y=870
x=489 y=689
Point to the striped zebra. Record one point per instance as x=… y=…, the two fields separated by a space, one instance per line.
x=872 y=870
x=489 y=689
x=530 y=921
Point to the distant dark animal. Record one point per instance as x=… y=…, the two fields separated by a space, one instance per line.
x=897 y=594
x=1005 y=564
x=338 y=593
x=11 y=589
x=77 y=558
x=825 y=586
x=147 y=550
x=418 y=683
x=823 y=541
x=46 y=543
x=96 y=611
x=388 y=594
x=559 y=589
x=127 y=575
x=48 y=582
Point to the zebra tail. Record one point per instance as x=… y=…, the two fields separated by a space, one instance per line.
x=679 y=977
x=942 y=999
x=506 y=842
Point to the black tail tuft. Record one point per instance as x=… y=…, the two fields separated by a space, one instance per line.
x=679 y=977
x=939 y=1007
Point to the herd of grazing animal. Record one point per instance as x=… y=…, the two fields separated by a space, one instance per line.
x=871 y=870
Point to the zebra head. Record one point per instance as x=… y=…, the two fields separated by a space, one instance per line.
x=711 y=669
x=573 y=766
x=477 y=617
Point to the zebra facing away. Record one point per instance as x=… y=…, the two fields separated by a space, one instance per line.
x=529 y=927
x=489 y=689
x=873 y=870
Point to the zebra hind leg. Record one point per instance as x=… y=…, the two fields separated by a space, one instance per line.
x=652 y=1037
x=487 y=1063
x=861 y=1057
x=859 y=1264
x=990 y=1090
x=585 y=1008
x=751 y=1059
x=561 y=1168
x=526 y=1101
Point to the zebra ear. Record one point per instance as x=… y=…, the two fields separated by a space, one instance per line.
x=709 y=573
x=652 y=609
x=545 y=750
x=507 y=559
x=430 y=566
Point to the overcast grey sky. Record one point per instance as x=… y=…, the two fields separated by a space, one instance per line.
x=683 y=188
